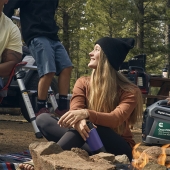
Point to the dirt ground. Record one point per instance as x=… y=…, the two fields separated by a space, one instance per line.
x=16 y=134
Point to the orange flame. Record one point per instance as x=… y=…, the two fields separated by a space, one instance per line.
x=136 y=153
x=162 y=157
x=140 y=163
x=141 y=159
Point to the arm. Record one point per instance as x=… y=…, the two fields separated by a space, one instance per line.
x=80 y=90
x=12 y=53
x=9 y=59
x=77 y=110
x=119 y=115
x=77 y=105
x=113 y=119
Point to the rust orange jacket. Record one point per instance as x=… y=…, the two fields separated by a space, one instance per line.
x=113 y=119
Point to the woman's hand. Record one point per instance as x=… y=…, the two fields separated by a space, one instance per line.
x=82 y=128
x=72 y=117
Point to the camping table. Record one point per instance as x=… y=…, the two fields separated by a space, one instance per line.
x=163 y=93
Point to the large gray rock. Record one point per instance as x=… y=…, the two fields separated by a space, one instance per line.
x=121 y=159
x=50 y=156
x=106 y=156
x=154 y=166
x=42 y=148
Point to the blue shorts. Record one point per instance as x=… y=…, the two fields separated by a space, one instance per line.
x=50 y=56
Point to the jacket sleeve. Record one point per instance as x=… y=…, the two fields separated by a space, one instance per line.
x=9 y=8
x=119 y=115
x=113 y=119
x=78 y=100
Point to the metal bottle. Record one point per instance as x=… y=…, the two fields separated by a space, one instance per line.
x=94 y=140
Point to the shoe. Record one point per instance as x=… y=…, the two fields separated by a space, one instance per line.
x=60 y=113
x=42 y=110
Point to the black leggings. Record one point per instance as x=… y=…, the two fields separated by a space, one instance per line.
x=69 y=138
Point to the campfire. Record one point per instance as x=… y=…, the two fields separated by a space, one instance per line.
x=153 y=154
x=151 y=158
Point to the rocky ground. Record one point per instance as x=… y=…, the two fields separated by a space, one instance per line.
x=16 y=134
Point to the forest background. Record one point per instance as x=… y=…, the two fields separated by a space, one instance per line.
x=82 y=22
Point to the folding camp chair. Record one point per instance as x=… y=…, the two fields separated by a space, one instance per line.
x=18 y=74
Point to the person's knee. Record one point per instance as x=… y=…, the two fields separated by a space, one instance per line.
x=67 y=70
x=42 y=120
x=49 y=75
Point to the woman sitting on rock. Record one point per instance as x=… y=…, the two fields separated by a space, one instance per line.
x=106 y=98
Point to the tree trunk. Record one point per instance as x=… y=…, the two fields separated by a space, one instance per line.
x=140 y=25
x=168 y=41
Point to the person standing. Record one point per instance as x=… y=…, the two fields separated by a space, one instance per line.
x=39 y=32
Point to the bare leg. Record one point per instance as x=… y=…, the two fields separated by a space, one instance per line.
x=64 y=81
x=43 y=85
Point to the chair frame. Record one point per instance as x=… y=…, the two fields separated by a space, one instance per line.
x=15 y=71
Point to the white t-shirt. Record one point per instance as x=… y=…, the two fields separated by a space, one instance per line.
x=10 y=36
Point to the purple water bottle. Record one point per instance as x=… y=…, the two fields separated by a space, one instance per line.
x=94 y=140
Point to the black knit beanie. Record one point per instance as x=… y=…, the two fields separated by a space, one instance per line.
x=116 y=49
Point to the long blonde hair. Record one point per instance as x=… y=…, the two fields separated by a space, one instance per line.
x=104 y=90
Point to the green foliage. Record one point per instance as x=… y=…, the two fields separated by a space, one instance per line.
x=83 y=22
